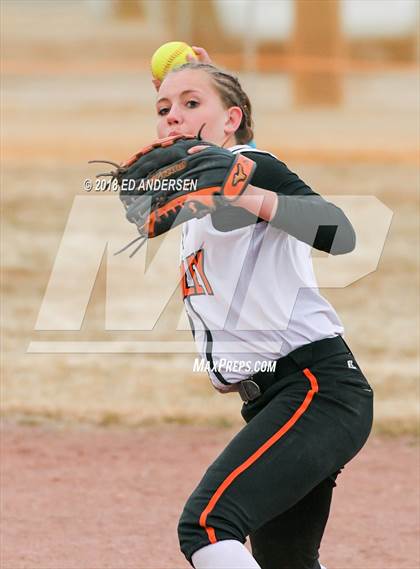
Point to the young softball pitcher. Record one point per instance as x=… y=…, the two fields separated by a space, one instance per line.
x=251 y=297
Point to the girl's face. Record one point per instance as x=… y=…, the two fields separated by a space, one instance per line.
x=186 y=100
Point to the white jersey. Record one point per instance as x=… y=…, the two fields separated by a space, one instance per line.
x=251 y=296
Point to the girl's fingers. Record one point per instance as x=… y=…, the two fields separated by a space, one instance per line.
x=202 y=54
x=198 y=148
x=157 y=84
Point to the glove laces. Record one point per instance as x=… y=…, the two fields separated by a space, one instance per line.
x=141 y=238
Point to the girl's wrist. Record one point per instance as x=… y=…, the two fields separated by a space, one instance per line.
x=260 y=202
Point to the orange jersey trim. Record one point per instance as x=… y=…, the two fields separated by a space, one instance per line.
x=257 y=454
x=199 y=257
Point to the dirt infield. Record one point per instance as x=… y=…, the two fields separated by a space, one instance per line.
x=104 y=498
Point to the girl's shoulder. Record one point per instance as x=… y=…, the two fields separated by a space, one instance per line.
x=271 y=173
x=242 y=148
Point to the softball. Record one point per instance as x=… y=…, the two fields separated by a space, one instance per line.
x=168 y=56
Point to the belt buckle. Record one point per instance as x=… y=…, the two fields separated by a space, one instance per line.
x=249 y=390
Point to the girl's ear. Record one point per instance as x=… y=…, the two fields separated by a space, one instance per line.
x=233 y=120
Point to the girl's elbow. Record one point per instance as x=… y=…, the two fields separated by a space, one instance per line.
x=345 y=242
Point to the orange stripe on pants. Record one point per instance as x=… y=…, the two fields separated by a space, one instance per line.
x=256 y=455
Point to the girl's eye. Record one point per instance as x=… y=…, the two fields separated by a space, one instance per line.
x=163 y=111
x=191 y=104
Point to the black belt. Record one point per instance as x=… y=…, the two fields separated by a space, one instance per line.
x=301 y=358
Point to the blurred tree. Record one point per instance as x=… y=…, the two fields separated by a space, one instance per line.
x=208 y=30
x=128 y=9
x=317 y=35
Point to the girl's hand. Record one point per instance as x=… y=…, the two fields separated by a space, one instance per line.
x=202 y=56
x=196 y=149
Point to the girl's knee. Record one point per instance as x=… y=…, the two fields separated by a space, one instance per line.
x=196 y=529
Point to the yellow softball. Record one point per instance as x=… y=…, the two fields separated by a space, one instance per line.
x=170 y=55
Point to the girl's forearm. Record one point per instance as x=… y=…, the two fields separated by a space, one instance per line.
x=309 y=218
x=260 y=202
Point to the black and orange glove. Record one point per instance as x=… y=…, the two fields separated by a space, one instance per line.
x=163 y=185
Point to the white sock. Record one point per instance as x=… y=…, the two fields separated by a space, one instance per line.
x=228 y=554
x=322 y=566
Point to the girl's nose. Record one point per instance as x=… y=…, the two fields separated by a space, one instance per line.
x=173 y=117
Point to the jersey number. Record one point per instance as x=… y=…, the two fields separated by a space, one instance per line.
x=193 y=277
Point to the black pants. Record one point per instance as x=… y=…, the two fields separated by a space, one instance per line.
x=274 y=480
x=292 y=539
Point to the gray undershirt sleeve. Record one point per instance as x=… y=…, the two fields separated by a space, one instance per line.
x=314 y=221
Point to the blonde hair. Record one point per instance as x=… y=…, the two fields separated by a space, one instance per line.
x=232 y=95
